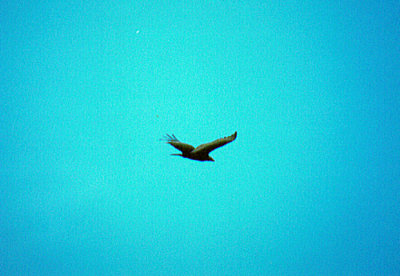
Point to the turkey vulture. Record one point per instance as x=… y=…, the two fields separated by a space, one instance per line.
x=201 y=152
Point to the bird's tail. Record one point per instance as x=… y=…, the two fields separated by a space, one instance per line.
x=176 y=154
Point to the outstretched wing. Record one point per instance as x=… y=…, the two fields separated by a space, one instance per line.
x=173 y=141
x=208 y=147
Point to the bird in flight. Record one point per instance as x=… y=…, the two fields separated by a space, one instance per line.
x=201 y=152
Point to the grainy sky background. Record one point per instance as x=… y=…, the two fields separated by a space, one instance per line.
x=311 y=186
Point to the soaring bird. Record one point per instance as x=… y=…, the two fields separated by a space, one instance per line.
x=201 y=152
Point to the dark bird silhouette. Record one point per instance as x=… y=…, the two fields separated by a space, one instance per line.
x=201 y=152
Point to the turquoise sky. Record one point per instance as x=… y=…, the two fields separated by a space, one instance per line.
x=311 y=185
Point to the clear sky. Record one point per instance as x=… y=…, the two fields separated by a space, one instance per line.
x=311 y=185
